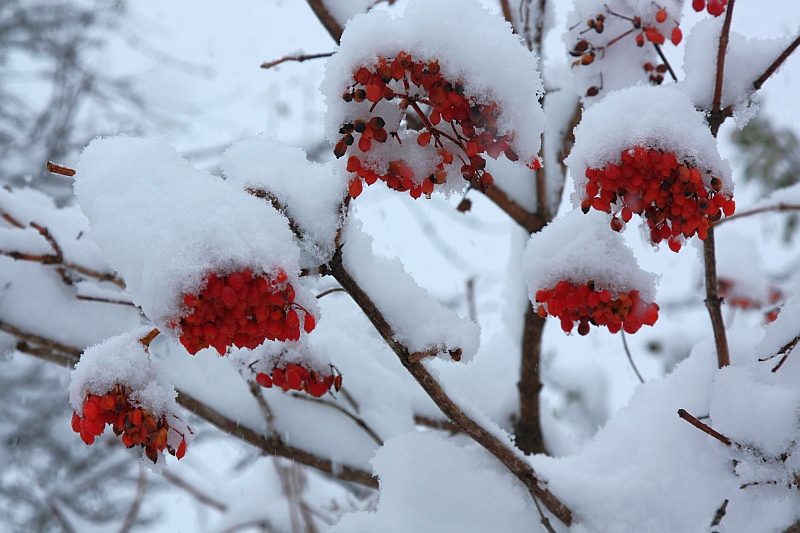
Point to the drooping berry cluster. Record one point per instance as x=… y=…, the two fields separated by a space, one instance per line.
x=670 y=195
x=651 y=29
x=736 y=298
x=137 y=426
x=588 y=305
x=297 y=377
x=243 y=310
x=714 y=7
x=454 y=126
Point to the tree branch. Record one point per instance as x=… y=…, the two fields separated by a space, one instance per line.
x=528 y=429
x=515 y=464
x=703 y=427
x=742 y=214
x=141 y=486
x=327 y=20
x=713 y=300
x=64 y=355
x=201 y=497
x=299 y=58
x=721 y=52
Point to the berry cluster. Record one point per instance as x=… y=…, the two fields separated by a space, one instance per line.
x=296 y=377
x=453 y=124
x=735 y=298
x=243 y=310
x=714 y=7
x=586 y=304
x=670 y=195
x=136 y=425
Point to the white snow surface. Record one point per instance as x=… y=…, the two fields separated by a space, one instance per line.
x=579 y=248
x=454 y=489
x=654 y=117
x=738 y=261
x=123 y=360
x=310 y=192
x=471 y=45
x=745 y=60
x=164 y=225
x=418 y=321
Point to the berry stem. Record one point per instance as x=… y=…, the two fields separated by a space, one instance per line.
x=666 y=61
x=630 y=357
x=147 y=339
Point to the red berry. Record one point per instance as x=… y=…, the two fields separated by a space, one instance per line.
x=677 y=36
x=698 y=5
x=264 y=380
x=661 y=15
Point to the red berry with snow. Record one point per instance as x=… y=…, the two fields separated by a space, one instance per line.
x=137 y=426
x=454 y=125
x=586 y=304
x=671 y=195
x=243 y=310
x=297 y=377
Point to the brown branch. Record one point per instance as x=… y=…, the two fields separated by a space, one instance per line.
x=703 y=427
x=713 y=300
x=52 y=259
x=329 y=291
x=104 y=300
x=785 y=350
x=776 y=64
x=194 y=491
x=64 y=355
x=630 y=357
x=273 y=445
x=506 y=9
x=665 y=61
x=327 y=20
x=58 y=169
x=742 y=214
x=444 y=425
x=299 y=58
x=532 y=222
x=794 y=528
x=528 y=429
x=722 y=50
x=505 y=454
x=720 y=514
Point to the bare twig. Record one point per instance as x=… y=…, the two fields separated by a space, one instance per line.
x=193 y=491
x=722 y=50
x=785 y=350
x=703 y=427
x=58 y=169
x=327 y=20
x=104 y=300
x=665 y=61
x=266 y=412
x=444 y=425
x=329 y=291
x=356 y=419
x=767 y=209
x=776 y=64
x=299 y=58
x=720 y=514
x=141 y=487
x=630 y=357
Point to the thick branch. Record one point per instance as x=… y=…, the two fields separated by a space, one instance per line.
x=327 y=20
x=532 y=222
x=479 y=434
x=713 y=300
x=528 y=430
x=64 y=355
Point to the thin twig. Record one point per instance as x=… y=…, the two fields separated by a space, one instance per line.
x=329 y=291
x=785 y=350
x=666 y=61
x=703 y=427
x=104 y=300
x=356 y=419
x=299 y=58
x=720 y=514
x=444 y=425
x=193 y=491
x=141 y=487
x=266 y=412
x=630 y=357
x=722 y=50
x=58 y=169
x=770 y=208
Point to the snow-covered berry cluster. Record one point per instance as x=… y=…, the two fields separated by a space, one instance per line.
x=136 y=425
x=297 y=377
x=588 y=305
x=670 y=194
x=453 y=126
x=243 y=310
